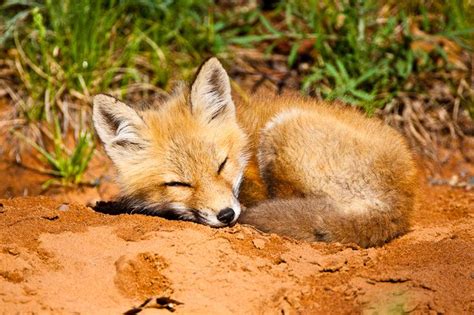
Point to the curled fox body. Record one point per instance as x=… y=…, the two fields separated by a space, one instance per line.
x=288 y=165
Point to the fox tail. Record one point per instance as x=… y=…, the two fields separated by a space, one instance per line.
x=321 y=219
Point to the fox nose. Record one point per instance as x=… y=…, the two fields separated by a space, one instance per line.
x=226 y=215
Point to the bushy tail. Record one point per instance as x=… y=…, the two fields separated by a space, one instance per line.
x=320 y=219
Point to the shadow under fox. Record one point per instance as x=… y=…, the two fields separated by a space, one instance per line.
x=302 y=168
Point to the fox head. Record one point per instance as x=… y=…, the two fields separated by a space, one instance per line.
x=183 y=159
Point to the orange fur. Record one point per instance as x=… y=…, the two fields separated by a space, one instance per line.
x=331 y=173
x=312 y=170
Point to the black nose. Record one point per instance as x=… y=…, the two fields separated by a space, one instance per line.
x=226 y=215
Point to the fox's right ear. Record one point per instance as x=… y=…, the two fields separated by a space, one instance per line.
x=116 y=123
x=211 y=93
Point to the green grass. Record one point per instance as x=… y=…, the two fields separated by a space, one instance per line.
x=81 y=47
x=66 y=165
x=361 y=50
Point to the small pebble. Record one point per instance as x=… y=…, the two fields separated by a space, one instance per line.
x=63 y=207
x=259 y=243
x=13 y=251
x=454 y=180
x=50 y=216
x=240 y=236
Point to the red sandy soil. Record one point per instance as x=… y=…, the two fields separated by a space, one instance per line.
x=59 y=257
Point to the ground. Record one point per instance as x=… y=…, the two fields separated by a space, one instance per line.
x=59 y=255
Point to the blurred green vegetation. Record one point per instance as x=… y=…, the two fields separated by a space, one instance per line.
x=361 y=52
x=66 y=164
x=81 y=47
x=364 y=52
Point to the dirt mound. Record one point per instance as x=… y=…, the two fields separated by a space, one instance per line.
x=59 y=257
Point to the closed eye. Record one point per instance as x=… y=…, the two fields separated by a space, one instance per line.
x=177 y=184
x=221 y=167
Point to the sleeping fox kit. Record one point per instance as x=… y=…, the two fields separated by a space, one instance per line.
x=289 y=165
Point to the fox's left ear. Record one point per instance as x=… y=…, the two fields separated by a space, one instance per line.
x=210 y=92
x=117 y=124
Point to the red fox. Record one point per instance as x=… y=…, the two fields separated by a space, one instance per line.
x=290 y=165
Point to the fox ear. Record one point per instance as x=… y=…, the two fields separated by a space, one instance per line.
x=210 y=92
x=116 y=123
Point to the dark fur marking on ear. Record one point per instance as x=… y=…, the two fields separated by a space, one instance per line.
x=128 y=145
x=196 y=74
x=110 y=120
x=218 y=112
x=216 y=82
